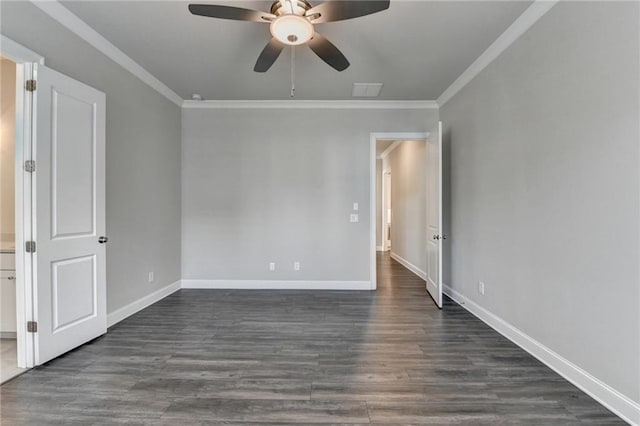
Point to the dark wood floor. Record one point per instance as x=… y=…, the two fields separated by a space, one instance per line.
x=256 y=357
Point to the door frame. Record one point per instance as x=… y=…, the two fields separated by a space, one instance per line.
x=373 y=139
x=385 y=211
x=24 y=59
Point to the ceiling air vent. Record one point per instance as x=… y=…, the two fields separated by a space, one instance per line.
x=366 y=90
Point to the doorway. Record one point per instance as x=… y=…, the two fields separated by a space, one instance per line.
x=14 y=302
x=9 y=366
x=402 y=189
x=404 y=178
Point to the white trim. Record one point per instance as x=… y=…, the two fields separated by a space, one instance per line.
x=309 y=104
x=373 y=138
x=525 y=21
x=615 y=401
x=389 y=149
x=80 y=28
x=410 y=266
x=24 y=272
x=17 y=52
x=276 y=285
x=126 y=311
x=379 y=248
x=384 y=232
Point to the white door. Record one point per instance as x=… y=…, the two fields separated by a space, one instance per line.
x=69 y=208
x=434 y=216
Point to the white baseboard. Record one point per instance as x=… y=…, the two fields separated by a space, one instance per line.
x=379 y=248
x=276 y=285
x=615 y=401
x=148 y=300
x=410 y=266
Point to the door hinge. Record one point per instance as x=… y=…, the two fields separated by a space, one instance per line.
x=31 y=85
x=31 y=246
x=32 y=327
x=30 y=166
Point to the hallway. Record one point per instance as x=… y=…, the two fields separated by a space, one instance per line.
x=254 y=357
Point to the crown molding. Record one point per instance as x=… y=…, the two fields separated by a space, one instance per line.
x=506 y=39
x=80 y=28
x=309 y=104
x=76 y=25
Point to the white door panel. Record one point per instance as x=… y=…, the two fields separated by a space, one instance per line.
x=69 y=205
x=73 y=279
x=434 y=216
x=72 y=166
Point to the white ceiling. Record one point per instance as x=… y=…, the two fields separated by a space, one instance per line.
x=416 y=48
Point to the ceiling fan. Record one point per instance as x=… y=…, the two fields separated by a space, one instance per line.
x=292 y=24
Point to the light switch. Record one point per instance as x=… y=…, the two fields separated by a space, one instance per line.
x=296 y=266
x=354 y=218
x=272 y=266
x=355 y=206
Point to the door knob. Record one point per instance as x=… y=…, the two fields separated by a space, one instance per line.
x=103 y=240
x=436 y=237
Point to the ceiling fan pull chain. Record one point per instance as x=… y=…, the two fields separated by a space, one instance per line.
x=293 y=72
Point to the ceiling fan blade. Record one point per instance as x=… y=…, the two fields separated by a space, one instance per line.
x=268 y=56
x=339 y=10
x=229 y=12
x=328 y=52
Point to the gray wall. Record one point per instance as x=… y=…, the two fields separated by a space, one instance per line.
x=143 y=156
x=281 y=190
x=409 y=203
x=543 y=175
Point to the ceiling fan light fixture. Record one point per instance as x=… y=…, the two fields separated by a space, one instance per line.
x=292 y=30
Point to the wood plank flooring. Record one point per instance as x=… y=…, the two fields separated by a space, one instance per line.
x=299 y=357
x=9 y=360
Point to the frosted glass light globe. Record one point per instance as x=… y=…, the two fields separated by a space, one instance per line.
x=292 y=30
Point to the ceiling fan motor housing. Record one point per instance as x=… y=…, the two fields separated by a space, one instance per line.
x=284 y=7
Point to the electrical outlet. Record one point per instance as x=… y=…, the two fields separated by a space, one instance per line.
x=272 y=266
x=296 y=266
x=354 y=218
x=151 y=277
x=481 y=287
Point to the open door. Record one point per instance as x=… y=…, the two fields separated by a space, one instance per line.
x=435 y=237
x=69 y=209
